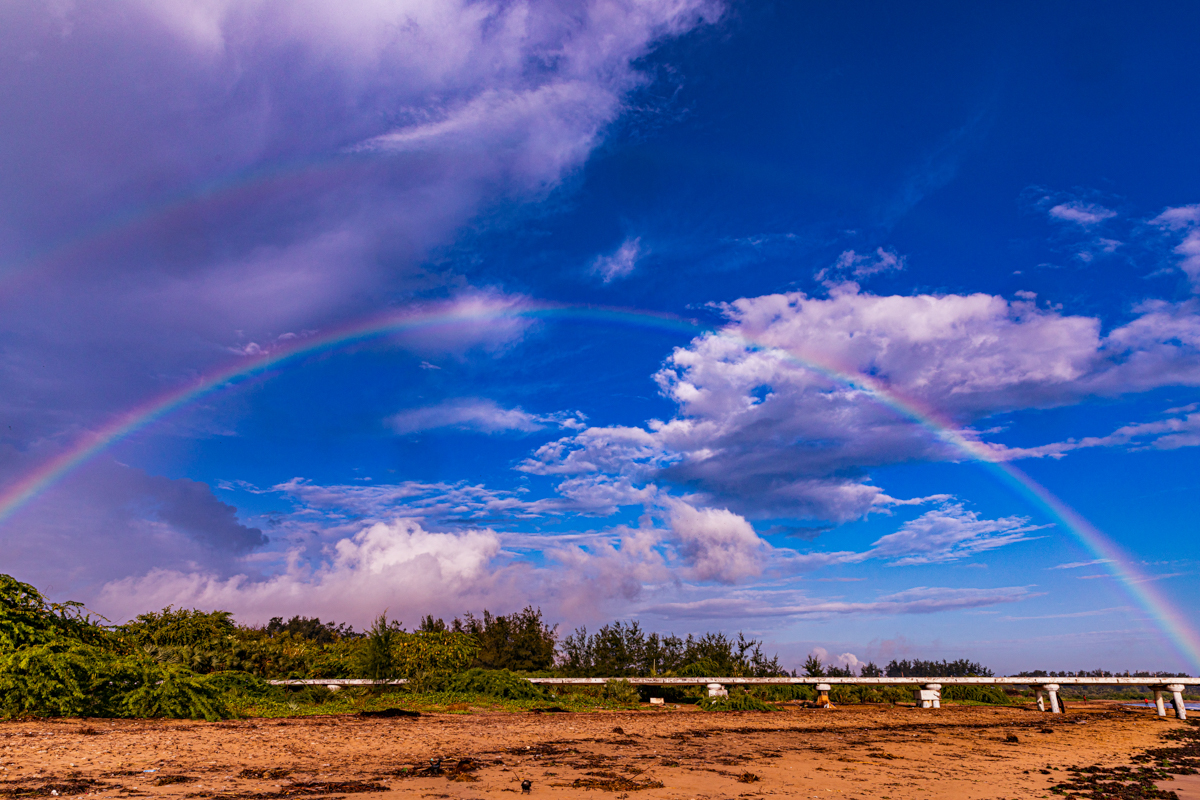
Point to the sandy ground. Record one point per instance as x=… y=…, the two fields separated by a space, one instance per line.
x=885 y=752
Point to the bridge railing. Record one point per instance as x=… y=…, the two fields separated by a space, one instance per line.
x=926 y=691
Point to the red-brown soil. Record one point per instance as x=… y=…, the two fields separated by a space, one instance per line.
x=884 y=752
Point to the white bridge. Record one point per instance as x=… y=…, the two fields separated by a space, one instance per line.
x=927 y=692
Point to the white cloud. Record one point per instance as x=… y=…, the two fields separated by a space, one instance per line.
x=918 y=600
x=396 y=565
x=1078 y=564
x=1185 y=221
x=716 y=543
x=765 y=425
x=851 y=264
x=1080 y=213
x=619 y=264
x=477 y=414
x=948 y=533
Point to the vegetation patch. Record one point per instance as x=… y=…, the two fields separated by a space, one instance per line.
x=499 y=683
x=737 y=701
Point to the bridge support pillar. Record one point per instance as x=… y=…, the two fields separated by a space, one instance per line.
x=927 y=698
x=1041 y=698
x=1176 y=690
x=1052 y=690
x=717 y=690
x=1159 y=706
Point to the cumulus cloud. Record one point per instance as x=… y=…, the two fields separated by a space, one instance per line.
x=477 y=414
x=396 y=565
x=716 y=543
x=845 y=660
x=619 y=264
x=784 y=410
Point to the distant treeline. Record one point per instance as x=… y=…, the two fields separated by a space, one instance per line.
x=57 y=660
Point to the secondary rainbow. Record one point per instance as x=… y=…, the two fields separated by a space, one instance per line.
x=1140 y=586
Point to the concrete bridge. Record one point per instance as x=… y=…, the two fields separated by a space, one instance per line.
x=927 y=692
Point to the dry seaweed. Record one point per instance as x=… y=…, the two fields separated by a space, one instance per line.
x=49 y=787
x=1137 y=782
x=265 y=773
x=612 y=782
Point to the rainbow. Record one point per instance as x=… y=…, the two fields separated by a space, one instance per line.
x=1124 y=569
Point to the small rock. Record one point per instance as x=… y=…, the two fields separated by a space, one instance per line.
x=526 y=785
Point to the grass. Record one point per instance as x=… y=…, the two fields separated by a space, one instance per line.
x=350 y=701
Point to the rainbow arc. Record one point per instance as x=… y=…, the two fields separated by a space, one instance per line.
x=1140 y=586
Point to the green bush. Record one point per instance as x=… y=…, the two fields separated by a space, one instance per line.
x=174 y=693
x=242 y=683
x=69 y=679
x=736 y=701
x=498 y=683
x=622 y=692
x=976 y=694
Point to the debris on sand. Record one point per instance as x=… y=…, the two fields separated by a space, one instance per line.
x=1154 y=765
x=389 y=712
x=265 y=773
x=298 y=789
x=168 y=780
x=611 y=782
x=52 y=787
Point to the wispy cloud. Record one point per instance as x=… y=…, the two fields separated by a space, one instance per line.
x=918 y=600
x=1080 y=213
x=481 y=415
x=1078 y=564
x=619 y=264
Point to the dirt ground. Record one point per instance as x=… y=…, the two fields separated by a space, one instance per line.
x=884 y=752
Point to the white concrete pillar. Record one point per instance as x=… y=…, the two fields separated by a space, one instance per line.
x=717 y=690
x=936 y=688
x=1158 y=701
x=1176 y=690
x=924 y=698
x=1041 y=698
x=1052 y=690
x=823 y=690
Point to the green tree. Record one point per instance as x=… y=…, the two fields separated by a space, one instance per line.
x=813 y=667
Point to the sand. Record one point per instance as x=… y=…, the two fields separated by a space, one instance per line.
x=884 y=752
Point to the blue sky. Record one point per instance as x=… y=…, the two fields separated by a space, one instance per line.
x=990 y=215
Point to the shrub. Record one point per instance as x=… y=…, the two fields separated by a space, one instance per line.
x=172 y=692
x=242 y=683
x=419 y=654
x=736 y=701
x=27 y=618
x=622 y=692
x=976 y=694
x=498 y=683
x=78 y=680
